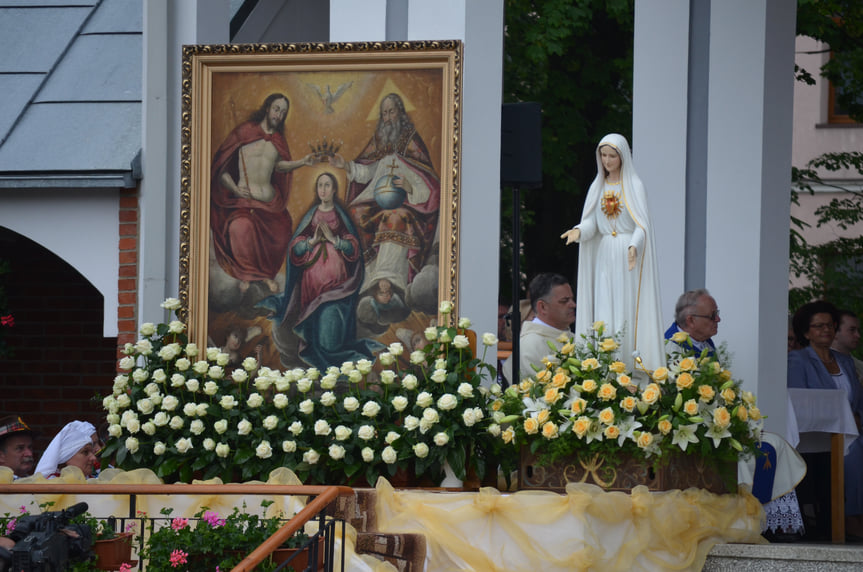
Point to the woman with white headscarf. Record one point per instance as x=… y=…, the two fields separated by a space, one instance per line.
x=618 y=282
x=72 y=446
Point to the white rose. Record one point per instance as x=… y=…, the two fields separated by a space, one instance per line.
x=196 y=427
x=430 y=333
x=304 y=385
x=133 y=426
x=169 y=352
x=145 y=406
x=445 y=307
x=193 y=385
x=400 y=402
x=336 y=452
x=250 y=364
x=410 y=382
x=424 y=399
x=431 y=415
x=368 y=454
x=411 y=422
x=244 y=427
x=364 y=366
x=161 y=419
x=329 y=381
x=183 y=445
x=156 y=398
x=128 y=349
x=239 y=376
x=170 y=403
x=201 y=367
x=263 y=383
x=171 y=304
x=178 y=380
x=148 y=329
x=270 y=422
x=255 y=400
x=159 y=448
x=371 y=409
x=176 y=422
x=328 y=398
x=440 y=363
x=209 y=444
x=495 y=389
x=312 y=373
x=307 y=406
x=216 y=372
x=151 y=388
x=477 y=411
x=228 y=402
x=421 y=450
x=127 y=363
x=347 y=367
x=439 y=376
x=159 y=376
x=386 y=358
x=464 y=323
x=289 y=446
x=388 y=376
x=212 y=353
x=396 y=349
x=441 y=439
x=220 y=426
x=343 y=433
x=211 y=388
x=201 y=409
x=149 y=428
x=311 y=456
x=222 y=359
x=391 y=437
x=176 y=327
x=443 y=337
x=389 y=455
x=264 y=450
x=140 y=375
x=366 y=432
x=425 y=425
x=192 y=350
x=189 y=410
x=494 y=430
x=351 y=404
x=296 y=428
x=447 y=402
x=115 y=430
x=183 y=364
x=112 y=418
x=144 y=347
x=465 y=390
x=460 y=342
x=223 y=450
x=127 y=415
x=322 y=427
x=280 y=400
x=418 y=357
x=355 y=376
x=469 y=417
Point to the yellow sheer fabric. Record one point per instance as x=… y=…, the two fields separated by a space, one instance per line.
x=586 y=529
x=102 y=506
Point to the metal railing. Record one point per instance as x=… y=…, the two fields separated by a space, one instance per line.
x=324 y=495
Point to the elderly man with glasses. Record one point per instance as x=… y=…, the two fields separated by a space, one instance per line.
x=697 y=315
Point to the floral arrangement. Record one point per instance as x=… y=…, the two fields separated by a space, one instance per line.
x=176 y=409
x=210 y=542
x=585 y=402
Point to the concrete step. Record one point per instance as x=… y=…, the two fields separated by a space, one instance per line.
x=784 y=557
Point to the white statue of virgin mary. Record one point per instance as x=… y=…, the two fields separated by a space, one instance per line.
x=617 y=278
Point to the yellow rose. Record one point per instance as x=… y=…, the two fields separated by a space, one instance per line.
x=598 y=326
x=755 y=413
x=606 y=416
x=644 y=440
x=525 y=385
x=748 y=398
x=608 y=345
x=679 y=337
x=651 y=393
x=728 y=395
x=543 y=376
x=531 y=426
x=617 y=367
x=567 y=349
x=542 y=416
x=687 y=364
x=581 y=426
x=690 y=407
x=607 y=392
x=560 y=379
x=497 y=405
x=725 y=375
x=628 y=404
x=706 y=392
x=624 y=380
x=664 y=426
x=589 y=364
x=578 y=406
x=549 y=430
x=742 y=414
x=589 y=386
x=508 y=435
x=721 y=417
x=551 y=395
x=684 y=381
x=716 y=367
x=660 y=373
x=611 y=432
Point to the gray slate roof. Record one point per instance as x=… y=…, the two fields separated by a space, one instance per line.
x=70 y=73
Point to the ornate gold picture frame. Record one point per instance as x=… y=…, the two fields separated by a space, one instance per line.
x=320 y=197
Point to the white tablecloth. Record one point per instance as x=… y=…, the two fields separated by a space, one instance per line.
x=818 y=413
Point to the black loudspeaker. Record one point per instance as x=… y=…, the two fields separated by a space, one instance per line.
x=521 y=145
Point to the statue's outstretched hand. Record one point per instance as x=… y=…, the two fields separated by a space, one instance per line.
x=630 y=257
x=572 y=235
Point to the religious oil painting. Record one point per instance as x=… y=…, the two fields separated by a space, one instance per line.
x=320 y=192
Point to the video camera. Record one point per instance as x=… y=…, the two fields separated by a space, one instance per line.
x=46 y=542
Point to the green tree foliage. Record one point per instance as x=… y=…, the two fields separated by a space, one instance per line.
x=574 y=57
x=833 y=269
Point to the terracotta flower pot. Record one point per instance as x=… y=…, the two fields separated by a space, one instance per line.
x=112 y=553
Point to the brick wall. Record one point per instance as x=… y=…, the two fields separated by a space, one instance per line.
x=127 y=281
